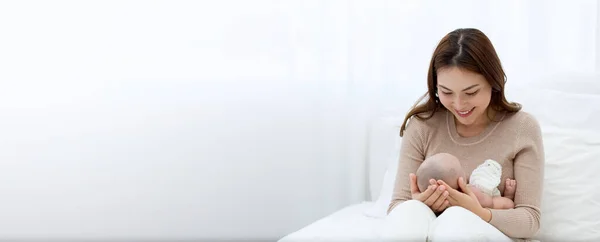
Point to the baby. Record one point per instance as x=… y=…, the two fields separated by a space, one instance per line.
x=483 y=181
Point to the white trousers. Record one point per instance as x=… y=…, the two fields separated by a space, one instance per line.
x=414 y=221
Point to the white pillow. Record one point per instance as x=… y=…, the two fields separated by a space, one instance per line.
x=568 y=110
x=380 y=207
x=384 y=150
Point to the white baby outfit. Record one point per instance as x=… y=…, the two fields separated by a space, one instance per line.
x=487 y=177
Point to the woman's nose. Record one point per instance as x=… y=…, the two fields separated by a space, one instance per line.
x=459 y=103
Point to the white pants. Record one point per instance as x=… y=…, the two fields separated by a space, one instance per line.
x=414 y=221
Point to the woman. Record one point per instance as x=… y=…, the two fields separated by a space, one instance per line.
x=467 y=115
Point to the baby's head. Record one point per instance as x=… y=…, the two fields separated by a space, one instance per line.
x=442 y=166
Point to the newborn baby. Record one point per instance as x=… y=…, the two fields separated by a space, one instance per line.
x=483 y=181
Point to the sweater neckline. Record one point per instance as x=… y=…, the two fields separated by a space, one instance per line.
x=456 y=138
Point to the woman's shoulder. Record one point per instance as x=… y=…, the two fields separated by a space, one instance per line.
x=522 y=121
x=428 y=120
x=521 y=117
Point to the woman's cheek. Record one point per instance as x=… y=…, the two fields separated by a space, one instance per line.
x=444 y=101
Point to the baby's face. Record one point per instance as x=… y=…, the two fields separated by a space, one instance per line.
x=441 y=166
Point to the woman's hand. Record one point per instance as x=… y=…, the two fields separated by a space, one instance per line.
x=434 y=197
x=466 y=199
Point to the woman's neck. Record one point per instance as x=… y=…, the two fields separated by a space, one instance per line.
x=478 y=126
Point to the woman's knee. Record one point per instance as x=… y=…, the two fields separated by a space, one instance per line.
x=456 y=211
x=413 y=207
x=459 y=224
x=408 y=221
x=411 y=203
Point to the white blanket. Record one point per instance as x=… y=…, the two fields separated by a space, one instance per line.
x=348 y=224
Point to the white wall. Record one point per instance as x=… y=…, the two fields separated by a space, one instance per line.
x=170 y=119
x=598 y=36
x=225 y=119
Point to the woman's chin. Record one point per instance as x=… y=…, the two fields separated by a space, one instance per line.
x=471 y=122
x=468 y=121
x=462 y=120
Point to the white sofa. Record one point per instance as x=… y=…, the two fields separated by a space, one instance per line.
x=568 y=109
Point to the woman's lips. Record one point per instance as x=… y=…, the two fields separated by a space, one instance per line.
x=465 y=114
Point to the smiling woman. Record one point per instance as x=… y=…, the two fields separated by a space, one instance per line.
x=467 y=95
x=465 y=73
x=467 y=115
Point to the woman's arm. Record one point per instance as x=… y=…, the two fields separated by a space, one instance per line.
x=411 y=157
x=524 y=220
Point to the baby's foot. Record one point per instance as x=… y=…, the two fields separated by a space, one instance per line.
x=509 y=188
x=484 y=200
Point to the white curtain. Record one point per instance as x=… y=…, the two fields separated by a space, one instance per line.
x=364 y=59
x=229 y=119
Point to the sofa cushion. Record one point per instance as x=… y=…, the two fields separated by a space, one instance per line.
x=568 y=110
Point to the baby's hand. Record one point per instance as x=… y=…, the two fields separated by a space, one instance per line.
x=509 y=188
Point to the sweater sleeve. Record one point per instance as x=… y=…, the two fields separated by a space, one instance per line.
x=524 y=220
x=411 y=156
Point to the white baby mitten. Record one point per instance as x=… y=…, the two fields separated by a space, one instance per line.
x=487 y=177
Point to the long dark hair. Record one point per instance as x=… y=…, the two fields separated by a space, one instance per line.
x=468 y=49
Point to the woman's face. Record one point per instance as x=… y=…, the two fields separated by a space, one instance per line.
x=466 y=94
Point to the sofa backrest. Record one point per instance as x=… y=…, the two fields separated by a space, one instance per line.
x=567 y=107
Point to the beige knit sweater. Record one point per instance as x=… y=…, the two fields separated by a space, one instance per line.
x=513 y=139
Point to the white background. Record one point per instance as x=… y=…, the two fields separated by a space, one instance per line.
x=228 y=119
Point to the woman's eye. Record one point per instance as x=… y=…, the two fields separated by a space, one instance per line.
x=446 y=93
x=472 y=93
